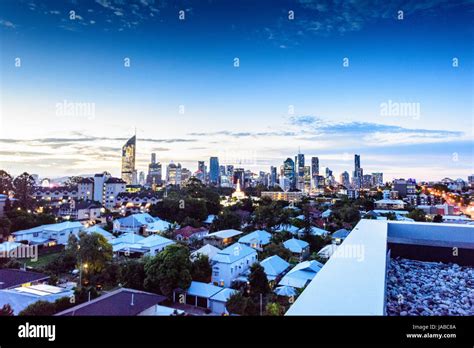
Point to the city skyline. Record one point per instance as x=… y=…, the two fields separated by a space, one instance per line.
x=189 y=102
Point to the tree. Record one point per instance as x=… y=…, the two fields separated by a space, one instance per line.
x=438 y=218
x=6 y=182
x=276 y=249
x=24 y=185
x=242 y=305
x=258 y=280
x=275 y=309
x=94 y=251
x=132 y=274
x=417 y=215
x=43 y=308
x=201 y=269
x=168 y=270
x=6 y=311
x=5 y=226
x=226 y=220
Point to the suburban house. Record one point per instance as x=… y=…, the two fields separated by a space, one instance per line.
x=256 y=239
x=136 y=223
x=287 y=228
x=206 y=295
x=99 y=230
x=49 y=235
x=121 y=302
x=229 y=263
x=22 y=296
x=385 y=204
x=221 y=238
x=12 y=278
x=158 y=226
x=298 y=247
x=134 y=245
x=339 y=236
x=81 y=210
x=274 y=266
x=189 y=233
x=300 y=275
x=207 y=250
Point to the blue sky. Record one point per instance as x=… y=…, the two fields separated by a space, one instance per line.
x=290 y=91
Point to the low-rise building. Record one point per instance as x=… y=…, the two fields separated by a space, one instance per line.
x=257 y=239
x=229 y=263
x=298 y=247
x=49 y=235
x=222 y=238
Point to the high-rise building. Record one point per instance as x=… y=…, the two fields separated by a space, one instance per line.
x=307 y=179
x=273 y=176
x=239 y=176
x=367 y=181
x=173 y=174
x=154 y=172
x=377 y=179
x=214 y=170
x=128 y=160
x=201 y=171
x=299 y=171
x=358 y=173
x=289 y=171
x=345 y=179
x=314 y=166
x=230 y=170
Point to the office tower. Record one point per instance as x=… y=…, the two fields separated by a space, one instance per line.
x=238 y=176
x=377 y=179
x=307 y=179
x=201 y=171
x=345 y=179
x=314 y=166
x=154 y=172
x=214 y=170
x=273 y=176
x=173 y=174
x=367 y=181
x=230 y=170
x=358 y=173
x=299 y=171
x=128 y=160
x=289 y=171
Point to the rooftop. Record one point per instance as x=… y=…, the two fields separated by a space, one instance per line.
x=233 y=253
x=15 y=277
x=121 y=302
x=224 y=234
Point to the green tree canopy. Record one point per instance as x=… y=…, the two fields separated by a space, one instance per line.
x=258 y=280
x=168 y=270
x=201 y=269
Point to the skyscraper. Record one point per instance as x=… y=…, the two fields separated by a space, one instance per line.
x=299 y=171
x=358 y=173
x=214 y=170
x=173 y=174
x=128 y=160
x=273 y=176
x=289 y=171
x=345 y=179
x=154 y=172
x=314 y=166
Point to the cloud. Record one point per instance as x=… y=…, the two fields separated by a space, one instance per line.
x=7 y=24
